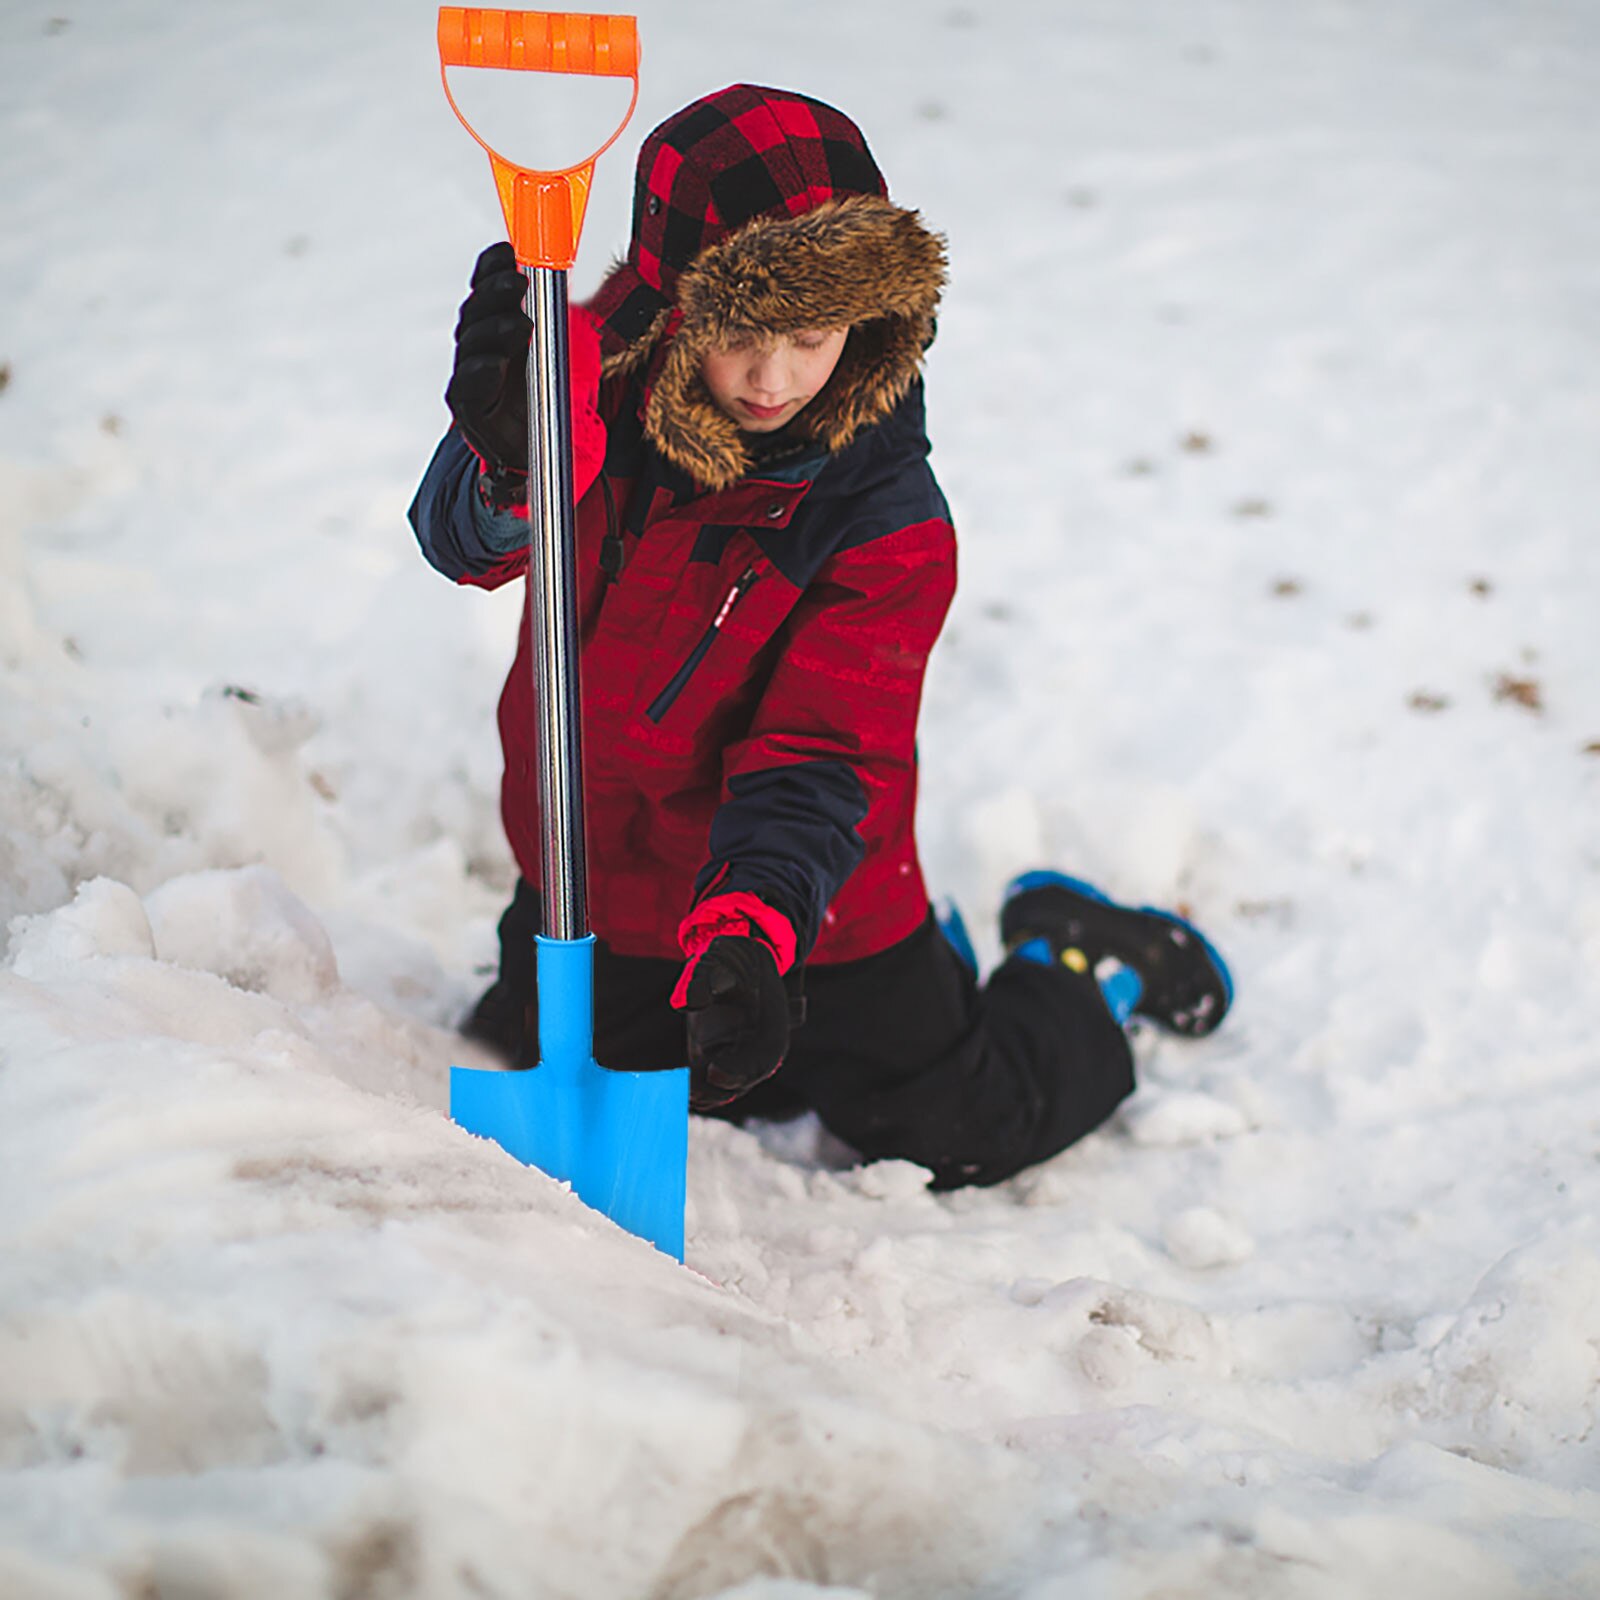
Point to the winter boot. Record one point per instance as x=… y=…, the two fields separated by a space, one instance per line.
x=1182 y=984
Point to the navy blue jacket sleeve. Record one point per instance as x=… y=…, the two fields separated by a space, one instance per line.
x=790 y=836
x=460 y=536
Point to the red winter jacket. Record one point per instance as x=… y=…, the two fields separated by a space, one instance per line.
x=752 y=663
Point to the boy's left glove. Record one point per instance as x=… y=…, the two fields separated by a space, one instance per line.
x=733 y=994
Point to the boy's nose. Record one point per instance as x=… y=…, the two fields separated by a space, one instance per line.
x=769 y=375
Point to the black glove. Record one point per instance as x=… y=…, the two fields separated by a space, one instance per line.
x=737 y=1011
x=488 y=391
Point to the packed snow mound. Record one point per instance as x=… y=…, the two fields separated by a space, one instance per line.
x=248 y=1263
x=105 y=918
x=246 y=927
x=141 y=794
x=1515 y=1374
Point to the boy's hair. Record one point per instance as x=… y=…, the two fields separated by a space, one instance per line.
x=760 y=211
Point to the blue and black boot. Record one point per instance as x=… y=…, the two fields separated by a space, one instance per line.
x=1150 y=963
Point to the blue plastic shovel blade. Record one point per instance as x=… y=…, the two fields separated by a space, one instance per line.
x=621 y=1139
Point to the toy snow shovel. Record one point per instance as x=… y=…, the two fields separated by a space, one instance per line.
x=620 y=1138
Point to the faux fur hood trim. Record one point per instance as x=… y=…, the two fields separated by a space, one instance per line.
x=858 y=262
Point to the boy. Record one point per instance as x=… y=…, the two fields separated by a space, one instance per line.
x=765 y=561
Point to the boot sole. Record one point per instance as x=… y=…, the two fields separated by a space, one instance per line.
x=1188 y=988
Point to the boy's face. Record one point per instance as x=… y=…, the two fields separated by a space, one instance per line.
x=763 y=383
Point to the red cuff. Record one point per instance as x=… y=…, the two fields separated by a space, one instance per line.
x=741 y=914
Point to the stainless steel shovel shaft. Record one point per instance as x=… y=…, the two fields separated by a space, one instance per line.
x=553 y=610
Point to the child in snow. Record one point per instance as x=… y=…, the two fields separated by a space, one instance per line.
x=764 y=563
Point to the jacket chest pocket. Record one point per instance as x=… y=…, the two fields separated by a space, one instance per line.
x=694 y=660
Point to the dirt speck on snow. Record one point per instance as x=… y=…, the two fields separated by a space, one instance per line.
x=379 y=1560
x=1279 y=912
x=1525 y=692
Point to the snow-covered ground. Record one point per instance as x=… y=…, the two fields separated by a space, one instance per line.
x=1266 y=394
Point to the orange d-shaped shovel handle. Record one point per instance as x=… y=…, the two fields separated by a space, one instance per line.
x=543 y=210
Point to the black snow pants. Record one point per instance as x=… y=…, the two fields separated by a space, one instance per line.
x=902 y=1054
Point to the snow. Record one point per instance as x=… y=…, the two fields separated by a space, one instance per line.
x=1265 y=394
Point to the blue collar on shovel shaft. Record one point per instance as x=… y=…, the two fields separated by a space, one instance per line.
x=619 y=1138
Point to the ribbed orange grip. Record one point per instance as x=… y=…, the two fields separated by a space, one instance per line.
x=539 y=41
x=543 y=210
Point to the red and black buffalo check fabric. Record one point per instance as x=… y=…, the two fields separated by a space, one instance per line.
x=742 y=153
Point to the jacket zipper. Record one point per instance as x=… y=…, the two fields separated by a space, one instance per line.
x=662 y=704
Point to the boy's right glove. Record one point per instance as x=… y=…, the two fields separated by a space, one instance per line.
x=488 y=390
x=733 y=995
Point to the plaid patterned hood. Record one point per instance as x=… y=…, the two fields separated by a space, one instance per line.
x=761 y=210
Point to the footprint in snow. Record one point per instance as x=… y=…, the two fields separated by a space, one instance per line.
x=1119 y=1334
